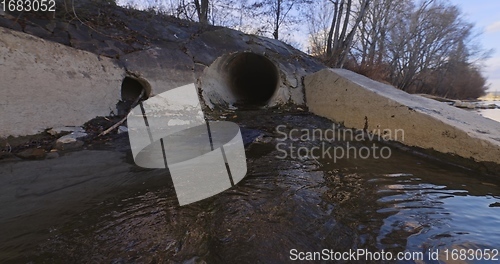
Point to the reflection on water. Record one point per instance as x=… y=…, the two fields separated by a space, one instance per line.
x=439 y=216
x=402 y=203
x=424 y=206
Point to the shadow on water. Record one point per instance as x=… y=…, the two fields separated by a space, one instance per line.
x=401 y=203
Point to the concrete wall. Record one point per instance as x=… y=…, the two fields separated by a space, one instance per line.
x=359 y=102
x=45 y=84
x=162 y=68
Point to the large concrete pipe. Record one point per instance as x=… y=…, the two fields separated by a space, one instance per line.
x=241 y=79
x=253 y=79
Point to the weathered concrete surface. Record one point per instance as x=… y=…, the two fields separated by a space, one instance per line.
x=164 y=68
x=204 y=60
x=361 y=103
x=45 y=84
x=163 y=52
x=216 y=87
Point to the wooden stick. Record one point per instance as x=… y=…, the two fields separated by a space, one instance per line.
x=134 y=104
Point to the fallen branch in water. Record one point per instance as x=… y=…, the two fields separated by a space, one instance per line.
x=134 y=104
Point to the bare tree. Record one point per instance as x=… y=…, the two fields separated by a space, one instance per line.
x=275 y=14
x=184 y=9
x=408 y=42
x=319 y=16
x=202 y=10
x=380 y=19
x=424 y=41
x=344 y=23
x=229 y=13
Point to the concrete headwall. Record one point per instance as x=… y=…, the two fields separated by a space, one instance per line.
x=44 y=84
x=361 y=103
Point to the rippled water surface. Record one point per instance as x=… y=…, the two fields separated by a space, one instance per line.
x=112 y=211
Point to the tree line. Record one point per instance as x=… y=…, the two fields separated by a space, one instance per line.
x=419 y=46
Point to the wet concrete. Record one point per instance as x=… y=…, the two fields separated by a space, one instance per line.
x=95 y=206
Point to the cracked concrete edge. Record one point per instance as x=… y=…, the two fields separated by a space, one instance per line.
x=286 y=58
x=42 y=89
x=359 y=102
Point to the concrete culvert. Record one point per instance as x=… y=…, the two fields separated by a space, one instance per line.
x=130 y=91
x=242 y=80
x=253 y=79
x=132 y=88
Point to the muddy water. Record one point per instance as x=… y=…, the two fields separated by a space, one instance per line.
x=96 y=206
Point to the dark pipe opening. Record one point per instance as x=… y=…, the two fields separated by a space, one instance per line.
x=132 y=88
x=253 y=79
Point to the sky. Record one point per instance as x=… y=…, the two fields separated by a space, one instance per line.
x=486 y=15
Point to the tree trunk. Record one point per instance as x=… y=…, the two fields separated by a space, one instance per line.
x=329 y=41
x=348 y=41
x=277 y=19
x=336 y=39
x=202 y=10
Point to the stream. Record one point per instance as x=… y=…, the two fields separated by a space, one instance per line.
x=95 y=205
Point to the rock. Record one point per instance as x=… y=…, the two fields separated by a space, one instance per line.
x=70 y=141
x=59 y=130
x=264 y=139
x=276 y=45
x=37 y=31
x=61 y=37
x=80 y=33
x=33 y=153
x=122 y=129
x=461 y=104
x=155 y=65
x=10 y=23
x=62 y=26
x=251 y=135
x=52 y=155
x=68 y=144
x=212 y=44
x=496 y=204
x=90 y=45
x=6 y=155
